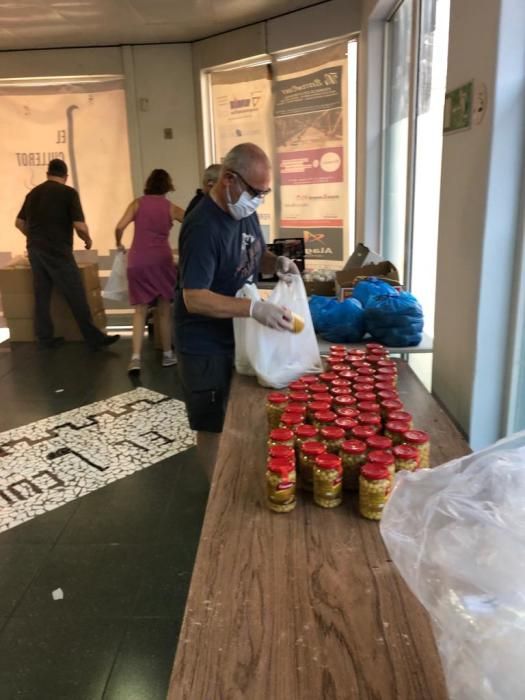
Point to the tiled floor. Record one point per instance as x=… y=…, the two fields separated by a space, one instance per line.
x=122 y=555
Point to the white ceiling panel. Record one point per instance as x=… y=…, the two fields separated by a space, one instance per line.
x=37 y=24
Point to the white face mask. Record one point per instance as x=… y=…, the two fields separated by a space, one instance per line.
x=244 y=207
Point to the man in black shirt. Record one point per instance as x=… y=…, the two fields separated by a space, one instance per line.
x=210 y=177
x=47 y=218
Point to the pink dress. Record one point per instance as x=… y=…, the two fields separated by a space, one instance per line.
x=151 y=270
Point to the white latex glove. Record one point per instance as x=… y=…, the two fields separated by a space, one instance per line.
x=285 y=269
x=277 y=317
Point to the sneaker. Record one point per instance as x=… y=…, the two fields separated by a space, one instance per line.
x=52 y=342
x=169 y=360
x=134 y=366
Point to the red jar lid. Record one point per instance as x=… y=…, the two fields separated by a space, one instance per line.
x=296 y=408
x=381 y=457
x=346 y=412
x=363 y=432
x=406 y=452
x=374 y=472
x=290 y=420
x=298 y=396
x=280 y=466
x=316 y=406
x=281 y=434
x=365 y=396
x=344 y=400
x=326 y=398
x=386 y=371
x=387 y=363
x=379 y=442
x=392 y=406
x=340 y=382
x=353 y=447
x=325 y=416
x=397 y=426
x=383 y=385
x=297 y=386
x=368 y=407
x=388 y=394
x=345 y=423
x=348 y=374
x=318 y=387
x=375 y=346
x=328 y=376
x=363 y=379
x=367 y=388
x=356 y=352
x=308 y=379
x=329 y=461
x=277 y=397
x=332 y=432
x=403 y=416
x=341 y=390
x=306 y=431
x=416 y=437
x=341 y=367
x=338 y=348
x=365 y=371
x=284 y=452
x=369 y=418
x=313 y=448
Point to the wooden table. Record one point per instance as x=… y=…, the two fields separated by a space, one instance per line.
x=305 y=605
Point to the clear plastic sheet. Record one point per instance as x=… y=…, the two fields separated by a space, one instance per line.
x=457 y=535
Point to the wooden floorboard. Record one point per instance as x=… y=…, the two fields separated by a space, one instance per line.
x=305 y=605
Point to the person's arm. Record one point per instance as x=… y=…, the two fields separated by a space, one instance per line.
x=268 y=262
x=176 y=213
x=82 y=232
x=21 y=225
x=207 y=303
x=125 y=220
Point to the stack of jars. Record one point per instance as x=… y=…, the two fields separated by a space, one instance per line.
x=343 y=429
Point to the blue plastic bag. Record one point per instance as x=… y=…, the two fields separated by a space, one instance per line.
x=343 y=321
x=395 y=320
x=318 y=306
x=371 y=287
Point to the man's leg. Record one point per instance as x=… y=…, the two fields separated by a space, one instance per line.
x=207 y=449
x=42 y=286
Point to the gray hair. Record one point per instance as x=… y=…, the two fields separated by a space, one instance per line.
x=211 y=174
x=242 y=157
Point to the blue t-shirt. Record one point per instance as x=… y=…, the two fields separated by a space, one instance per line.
x=218 y=253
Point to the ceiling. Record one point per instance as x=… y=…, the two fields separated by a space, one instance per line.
x=31 y=24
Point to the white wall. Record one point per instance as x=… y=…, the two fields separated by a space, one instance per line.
x=480 y=192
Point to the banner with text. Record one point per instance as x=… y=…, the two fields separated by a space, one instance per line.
x=310 y=117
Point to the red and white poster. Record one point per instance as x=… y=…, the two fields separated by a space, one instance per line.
x=310 y=130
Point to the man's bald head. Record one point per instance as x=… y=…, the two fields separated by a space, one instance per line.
x=244 y=158
x=245 y=168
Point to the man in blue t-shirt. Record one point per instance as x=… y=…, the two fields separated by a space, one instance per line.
x=221 y=247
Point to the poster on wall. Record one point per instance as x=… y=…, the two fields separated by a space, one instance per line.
x=310 y=131
x=85 y=125
x=242 y=111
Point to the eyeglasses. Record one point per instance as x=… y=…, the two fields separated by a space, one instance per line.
x=252 y=190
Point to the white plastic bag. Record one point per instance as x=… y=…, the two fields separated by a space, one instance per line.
x=116 y=288
x=457 y=535
x=277 y=358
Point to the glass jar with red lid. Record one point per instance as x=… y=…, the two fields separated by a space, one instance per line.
x=314 y=407
x=318 y=388
x=349 y=374
x=280 y=485
x=368 y=407
x=385 y=459
x=387 y=374
x=282 y=452
x=363 y=432
x=301 y=396
x=376 y=347
x=292 y=420
x=346 y=412
x=361 y=380
x=396 y=430
x=281 y=436
x=356 y=352
x=379 y=442
x=333 y=360
x=341 y=391
x=375 y=485
x=374 y=358
x=338 y=382
x=308 y=379
x=304 y=433
x=338 y=349
x=347 y=424
x=365 y=371
x=385 y=385
x=332 y=436
x=353 y=456
x=365 y=396
x=326 y=398
x=358 y=362
x=309 y=452
x=385 y=362
x=328 y=377
x=403 y=416
x=276 y=403
x=297 y=386
x=389 y=406
x=387 y=395
x=344 y=400
x=421 y=441
x=296 y=407
x=324 y=418
x=407 y=458
x=340 y=367
x=328 y=481
x=371 y=419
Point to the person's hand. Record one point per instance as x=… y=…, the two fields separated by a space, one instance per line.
x=88 y=243
x=285 y=269
x=272 y=316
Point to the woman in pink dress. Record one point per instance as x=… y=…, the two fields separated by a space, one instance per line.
x=151 y=271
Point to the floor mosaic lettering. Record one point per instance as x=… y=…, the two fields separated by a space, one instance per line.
x=48 y=463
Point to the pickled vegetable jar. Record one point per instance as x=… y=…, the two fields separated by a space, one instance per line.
x=341 y=391
x=309 y=452
x=368 y=407
x=308 y=379
x=299 y=396
x=296 y=408
x=385 y=459
x=324 y=418
x=281 y=436
x=282 y=452
x=318 y=388
x=363 y=432
x=347 y=424
x=304 y=433
x=371 y=419
x=346 y=411
x=275 y=405
x=407 y=458
x=390 y=406
x=298 y=386
x=328 y=481
x=316 y=407
x=328 y=377
x=403 y=416
x=374 y=490
x=364 y=395
x=421 y=441
x=353 y=456
x=379 y=442
x=291 y=420
x=396 y=430
x=387 y=374
x=332 y=436
x=280 y=483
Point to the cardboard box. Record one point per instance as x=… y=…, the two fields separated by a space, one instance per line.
x=22 y=305
x=16 y=277
x=319 y=288
x=346 y=279
x=22 y=330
